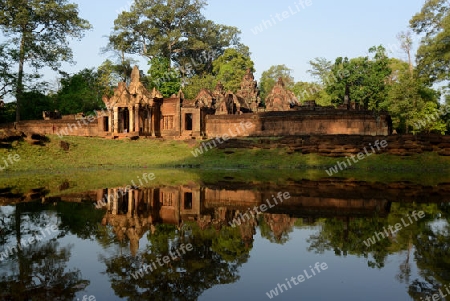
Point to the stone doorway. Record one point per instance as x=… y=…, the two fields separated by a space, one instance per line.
x=124 y=120
x=188 y=122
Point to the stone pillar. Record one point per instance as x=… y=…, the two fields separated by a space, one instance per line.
x=137 y=118
x=110 y=121
x=116 y=120
x=150 y=122
x=131 y=122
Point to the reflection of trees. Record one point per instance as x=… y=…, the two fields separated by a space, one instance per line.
x=216 y=256
x=432 y=246
x=403 y=241
x=38 y=271
x=432 y=254
x=79 y=219
x=345 y=236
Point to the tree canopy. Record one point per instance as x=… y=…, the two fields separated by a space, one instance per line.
x=433 y=59
x=175 y=29
x=40 y=29
x=231 y=66
x=366 y=83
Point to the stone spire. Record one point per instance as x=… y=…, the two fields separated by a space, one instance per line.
x=249 y=92
x=135 y=81
x=280 y=98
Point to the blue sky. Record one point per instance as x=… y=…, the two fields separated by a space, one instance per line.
x=320 y=28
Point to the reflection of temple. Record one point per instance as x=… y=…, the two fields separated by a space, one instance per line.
x=134 y=212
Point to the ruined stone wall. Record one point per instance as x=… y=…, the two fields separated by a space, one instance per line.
x=57 y=126
x=274 y=124
x=345 y=145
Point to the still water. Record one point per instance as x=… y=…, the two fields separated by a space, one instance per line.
x=306 y=240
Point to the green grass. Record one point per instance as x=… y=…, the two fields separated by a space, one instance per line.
x=93 y=163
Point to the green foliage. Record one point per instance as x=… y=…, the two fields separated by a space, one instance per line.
x=162 y=77
x=198 y=82
x=270 y=77
x=8 y=112
x=38 y=31
x=321 y=69
x=433 y=60
x=410 y=102
x=108 y=76
x=231 y=67
x=429 y=119
x=34 y=103
x=80 y=92
x=175 y=29
x=7 y=76
x=311 y=91
x=398 y=68
x=366 y=80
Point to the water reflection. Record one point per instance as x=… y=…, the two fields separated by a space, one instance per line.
x=38 y=270
x=141 y=225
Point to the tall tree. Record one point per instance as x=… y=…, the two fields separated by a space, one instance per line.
x=433 y=55
x=321 y=69
x=40 y=28
x=270 y=77
x=174 y=29
x=406 y=43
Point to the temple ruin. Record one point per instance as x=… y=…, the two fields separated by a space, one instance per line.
x=133 y=111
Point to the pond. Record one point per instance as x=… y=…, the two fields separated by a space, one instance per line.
x=330 y=239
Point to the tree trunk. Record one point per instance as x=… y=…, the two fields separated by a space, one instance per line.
x=19 y=88
x=411 y=69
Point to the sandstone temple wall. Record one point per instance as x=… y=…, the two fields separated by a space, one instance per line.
x=57 y=126
x=293 y=123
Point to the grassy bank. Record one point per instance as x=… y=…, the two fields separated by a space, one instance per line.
x=97 y=162
x=98 y=153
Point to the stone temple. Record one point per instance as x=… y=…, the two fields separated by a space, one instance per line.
x=134 y=111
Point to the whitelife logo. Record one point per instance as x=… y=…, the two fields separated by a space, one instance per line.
x=25 y=243
x=263 y=207
x=122 y=191
x=360 y=155
x=242 y=128
x=165 y=260
x=9 y=161
x=266 y=24
x=398 y=226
